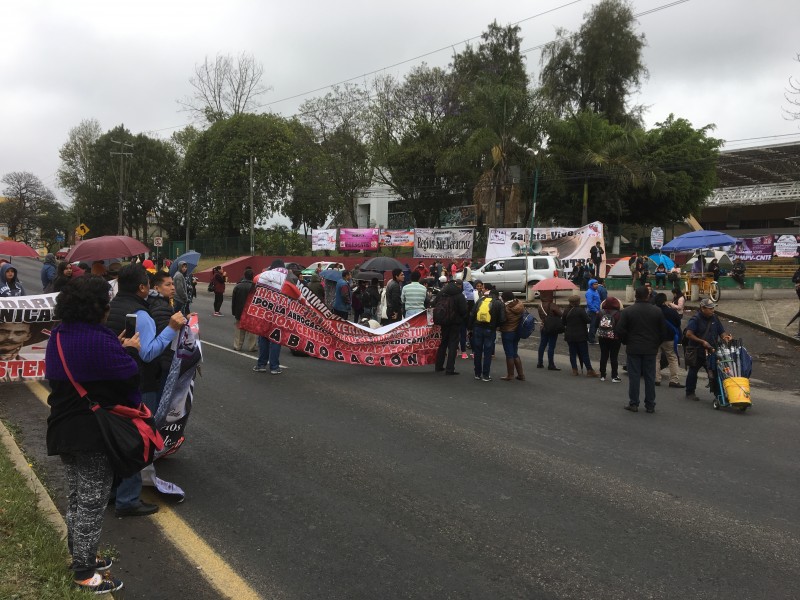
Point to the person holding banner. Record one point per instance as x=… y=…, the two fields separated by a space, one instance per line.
x=394 y=302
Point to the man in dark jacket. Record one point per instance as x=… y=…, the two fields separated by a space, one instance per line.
x=703 y=332
x=242 y=338
x=134 y=288
x=394 y=302
x=641 y=328
x=315 y=285
x=451 y=293
x=484 y=333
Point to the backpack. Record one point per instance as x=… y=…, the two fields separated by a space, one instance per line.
x=605 y=329
x=527 y=324
x=484 y=315
x=443 y=310
x=211 y=286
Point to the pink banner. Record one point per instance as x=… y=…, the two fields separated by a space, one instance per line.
x=296 y=318
x=358 y=239
x=755 y=248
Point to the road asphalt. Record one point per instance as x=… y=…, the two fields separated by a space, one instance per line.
x=334 y=481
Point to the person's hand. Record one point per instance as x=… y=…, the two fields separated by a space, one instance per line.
x=177 y=321
x=132 y=342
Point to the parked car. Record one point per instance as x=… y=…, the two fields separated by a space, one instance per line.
x=509 y=273
x=62 y=254
x=323 y=264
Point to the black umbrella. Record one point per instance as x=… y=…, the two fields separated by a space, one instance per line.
x=369 y=276
x=382 y=263
x=794 y=318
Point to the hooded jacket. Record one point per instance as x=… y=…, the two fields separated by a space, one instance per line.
x=181 y=286
x=48 y=272
x=452 y=293
x=14 y=288
x=592 y=298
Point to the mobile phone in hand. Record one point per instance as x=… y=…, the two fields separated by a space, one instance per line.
x=130 y=325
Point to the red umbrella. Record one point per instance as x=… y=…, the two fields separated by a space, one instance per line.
x=553 y=284
x=107 y=246
x=10 y=248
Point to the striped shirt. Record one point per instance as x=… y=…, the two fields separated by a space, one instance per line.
x=413 y=297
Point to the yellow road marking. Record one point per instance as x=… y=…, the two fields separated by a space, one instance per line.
x=193 y=548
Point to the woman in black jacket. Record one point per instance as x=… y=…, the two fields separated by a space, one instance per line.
x=576 y=335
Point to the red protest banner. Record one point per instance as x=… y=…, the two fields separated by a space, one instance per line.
x=296 y=318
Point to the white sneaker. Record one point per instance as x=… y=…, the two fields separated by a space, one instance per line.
x=602 y=379
x=616 y=380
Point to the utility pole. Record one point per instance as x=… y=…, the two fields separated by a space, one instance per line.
x=252 y=221
x=188 y=216
x=121 y=177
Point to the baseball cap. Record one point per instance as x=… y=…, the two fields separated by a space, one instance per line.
x=707 y=303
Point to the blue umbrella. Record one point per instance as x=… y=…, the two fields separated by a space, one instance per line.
x=699 y=239
x=662 y=259
x=191 y=258
x=331 y=274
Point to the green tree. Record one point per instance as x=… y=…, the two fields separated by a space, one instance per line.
x=217 y=168
x=411 y=138
x=683 y=164
x=495 y=110
x=593 y=163
x=311 y=200
x=281 y=241
x=340 y=124
x=32 y=213
x=598 y=67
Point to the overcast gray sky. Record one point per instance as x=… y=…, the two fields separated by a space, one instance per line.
x=711 y=61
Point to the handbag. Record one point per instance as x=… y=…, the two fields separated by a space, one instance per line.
x=695 y=356
x=130 y=434
x=552 y=325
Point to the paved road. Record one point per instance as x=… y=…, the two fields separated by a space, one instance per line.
x=333 y=481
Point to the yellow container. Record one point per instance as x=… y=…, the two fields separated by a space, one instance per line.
x=737 y=390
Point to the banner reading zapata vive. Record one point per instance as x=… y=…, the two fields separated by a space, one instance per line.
x=569 y=244
x=25 y=324
x=443 y=243
x=291 y=315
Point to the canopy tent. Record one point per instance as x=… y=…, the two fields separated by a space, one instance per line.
x=620 y=268
x=723 y=259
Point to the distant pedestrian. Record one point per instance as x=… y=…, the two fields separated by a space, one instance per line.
x=242 y=339
x=641 y=328
x=576 y=334
x=182 y=293
x=489 y=313
x=608 y=338
x=596 y=254
x=451 y=302
x=48 y=273
x=669 y=348
x=414 y=296
x=343 y=300
x=218 y=276
x=510 y=336
x=550 y=317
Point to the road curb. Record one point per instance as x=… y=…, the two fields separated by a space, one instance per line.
x=43 y=500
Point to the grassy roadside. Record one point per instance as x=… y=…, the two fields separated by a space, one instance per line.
x=33 y=558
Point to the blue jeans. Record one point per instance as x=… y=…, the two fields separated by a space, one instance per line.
x=130 y=488
x=268 y=353
x=691 y=380
x=483 y=348
x=510 y=341
x=547 y=340
x=581 y=349
x=642 y=365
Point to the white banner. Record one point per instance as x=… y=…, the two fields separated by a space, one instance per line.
x=569 y=244
x=443 y=243
x=323 y=239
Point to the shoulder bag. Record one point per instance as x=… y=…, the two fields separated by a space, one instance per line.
x=130 y=434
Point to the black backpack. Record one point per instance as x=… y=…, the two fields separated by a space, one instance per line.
x=443 y=310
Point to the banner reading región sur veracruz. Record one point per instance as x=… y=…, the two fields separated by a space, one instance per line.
x=25 y=324
x=292 y=316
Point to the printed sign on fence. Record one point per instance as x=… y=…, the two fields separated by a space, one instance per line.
x=397 y=237
x=323 y=239
x=443 y=243
x=754 y=248
x=352 y=240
